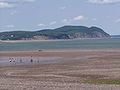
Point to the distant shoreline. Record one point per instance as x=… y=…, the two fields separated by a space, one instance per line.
x=15 y=41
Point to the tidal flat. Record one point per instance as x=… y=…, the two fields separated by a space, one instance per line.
x=92 y=73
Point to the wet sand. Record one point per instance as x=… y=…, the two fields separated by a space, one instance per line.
x=55 y=53
x=66 y=75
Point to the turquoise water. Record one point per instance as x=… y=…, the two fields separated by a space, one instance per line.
x=111 y=43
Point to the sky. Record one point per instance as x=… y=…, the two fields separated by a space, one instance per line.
x=32 y=15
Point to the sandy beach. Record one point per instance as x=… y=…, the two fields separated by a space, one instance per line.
x=95 y=73
x=18 y=41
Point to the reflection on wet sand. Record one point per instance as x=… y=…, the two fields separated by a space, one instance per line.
x=9 y=61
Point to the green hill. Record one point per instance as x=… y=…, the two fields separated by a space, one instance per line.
x=65 y=32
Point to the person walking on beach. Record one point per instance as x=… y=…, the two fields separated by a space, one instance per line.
x=31 y=59
x=20 y=60
x=38 y=61
x=10 y=60
x=13 y=60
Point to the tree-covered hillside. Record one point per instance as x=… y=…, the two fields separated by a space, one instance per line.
x=65 y=32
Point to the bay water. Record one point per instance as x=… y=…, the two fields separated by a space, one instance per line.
x=109 y=43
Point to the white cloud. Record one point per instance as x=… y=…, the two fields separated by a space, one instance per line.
x=78 y=18
x=28 y=0
x=117 y=21
x=13 y=3
x=104 y=1
x=10 y=26
x=94 y=19
x=13 y=12
x=63 y=8
x=6 y=5
x=52 y=23
x=41 y=25
x=7 y=26
x=66 y=21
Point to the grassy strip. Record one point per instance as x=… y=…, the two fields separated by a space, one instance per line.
x=102 y=81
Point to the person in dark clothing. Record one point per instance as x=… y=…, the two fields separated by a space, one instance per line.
x=31 y=59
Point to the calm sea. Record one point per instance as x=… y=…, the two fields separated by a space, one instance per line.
x=111 y=43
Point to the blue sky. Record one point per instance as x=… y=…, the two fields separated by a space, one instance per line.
x=35 y=15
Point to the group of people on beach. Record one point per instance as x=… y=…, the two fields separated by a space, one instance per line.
x=14 y=59
x=11 y=59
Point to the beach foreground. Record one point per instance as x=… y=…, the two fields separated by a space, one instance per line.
x=95 y=73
